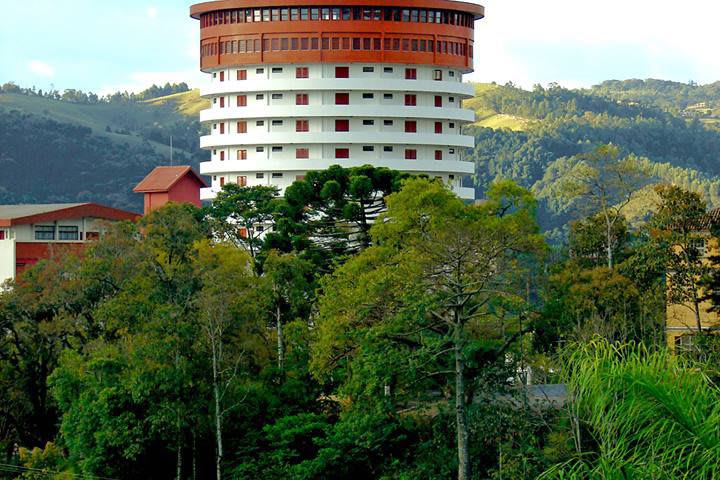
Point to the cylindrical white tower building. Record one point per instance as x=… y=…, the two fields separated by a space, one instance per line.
x=302 y=85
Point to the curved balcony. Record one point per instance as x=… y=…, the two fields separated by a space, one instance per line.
x=337 y=138
x=303 y=165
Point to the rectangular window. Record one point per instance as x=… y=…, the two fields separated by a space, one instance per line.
x=302 y=153
x=222 y=155
x=242 y=74
x=410 y=74
x=68 y=233
x=242 y=154
x=368 y=148
x=277 y=69
x=222 y=102
x=2 y=234
x=222 y=182
x=342 y=153
x=277 y=175
x=388 y=96
x=368 y=96
x=302 y=72
x=260 y=123
x=438 y=154
x=410 y=126
x=242 y=101
x=368 y=69
x=342 y=99
x=241 y=127
x=387 y=148
x=368 y=123
x=410 y=154
x=277 y=123
x=437 y=75
x=222 y=76
x=410 y=100
x=301 y=99
x=342 y=125
x=388 y=69
x=259 y=149
x=242 y=181
x=259 y=175
x=259 y=71
x=302 y=126
x=388 y=123
x=342 y=72
x=277 y=149
x=260 y=96
x=438 y=100
x=277 y=96
x=222 y=128
x=44 y=232
x=438 y=127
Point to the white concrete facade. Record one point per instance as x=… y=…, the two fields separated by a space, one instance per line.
x=262 y=133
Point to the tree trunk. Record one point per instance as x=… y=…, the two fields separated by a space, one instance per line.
x=696 y=305
x=218 y=415
x=179 y=460
x=194 y=456
x=460 y=420
x=280 y=340
x=609 y=248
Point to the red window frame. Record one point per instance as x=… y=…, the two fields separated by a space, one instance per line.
x=222 y=76
x=342 y=125
x=242 y=75
x=342 y=99
x=2 y=234
x=242 y=101
x=410 y=154
x=302 y=99
x=222 y=182
x=438 y=155
x=242 y=127
x=242 y=181
x=302 y=72
x=242 y=154
x=222 y=155
x=342 y=72
x=438 y=101
x=410 y=74
x=410 y=126
x=410 y=100
x=302 y=153
x=222 y=128
x=222 y=102
x=342 y=153
x=302 y=125
x=438 y=127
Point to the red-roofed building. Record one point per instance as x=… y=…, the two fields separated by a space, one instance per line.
x=171 y=184
x=29 y=233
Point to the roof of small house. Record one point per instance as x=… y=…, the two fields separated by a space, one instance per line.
x=162 y=179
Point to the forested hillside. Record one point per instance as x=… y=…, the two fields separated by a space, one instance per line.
x=75 y=147
x=527 y=136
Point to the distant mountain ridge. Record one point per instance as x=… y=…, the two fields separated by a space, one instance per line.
x=62 y=151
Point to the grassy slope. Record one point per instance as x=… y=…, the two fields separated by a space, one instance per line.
x=187 y=103
x=489 y=118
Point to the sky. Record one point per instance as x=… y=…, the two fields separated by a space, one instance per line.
x=116 y=45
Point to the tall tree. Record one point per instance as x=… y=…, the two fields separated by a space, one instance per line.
x=679 y=228
x=438 y=271
x=602 y=182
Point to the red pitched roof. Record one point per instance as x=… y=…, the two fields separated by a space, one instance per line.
x=162 y=179
x=24 y=214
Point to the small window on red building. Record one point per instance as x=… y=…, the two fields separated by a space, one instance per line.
x=2 y=234
x=410 y=74
x=410 y=100
x=438 y=101
x=242 y=181
x=301 y=99
x=242 y=74
x=342 y=99
x=302 y=153
x=242 y=101
x=342 y=153
x=410 y=126
x=241 y=127
x=437 y=74
x=242 y=154
x=222 y=182
x=342 y=125
x=222 y=128
x=438 y=127
x=302 y=126
x=222 y=76
x=410 y=154
x=342 y=72
x=222 y=155
x=302 y=72
x=222 y=102
x=438 y=154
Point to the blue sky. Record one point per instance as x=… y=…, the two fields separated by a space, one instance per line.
x=110 y=45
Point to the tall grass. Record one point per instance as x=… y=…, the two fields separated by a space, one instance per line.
x=652 y=415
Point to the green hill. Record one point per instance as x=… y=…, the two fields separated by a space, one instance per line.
x=55 y=150
x=550 y=124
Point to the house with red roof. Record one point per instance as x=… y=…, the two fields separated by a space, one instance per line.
x=171 y=184
x=29 y=233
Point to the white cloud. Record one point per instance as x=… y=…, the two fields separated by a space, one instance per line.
x=673 y=38
x=152 y=12
x=41 y=68
x=139 y=81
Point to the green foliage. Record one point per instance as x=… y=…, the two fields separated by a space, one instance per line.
x=652 y=414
